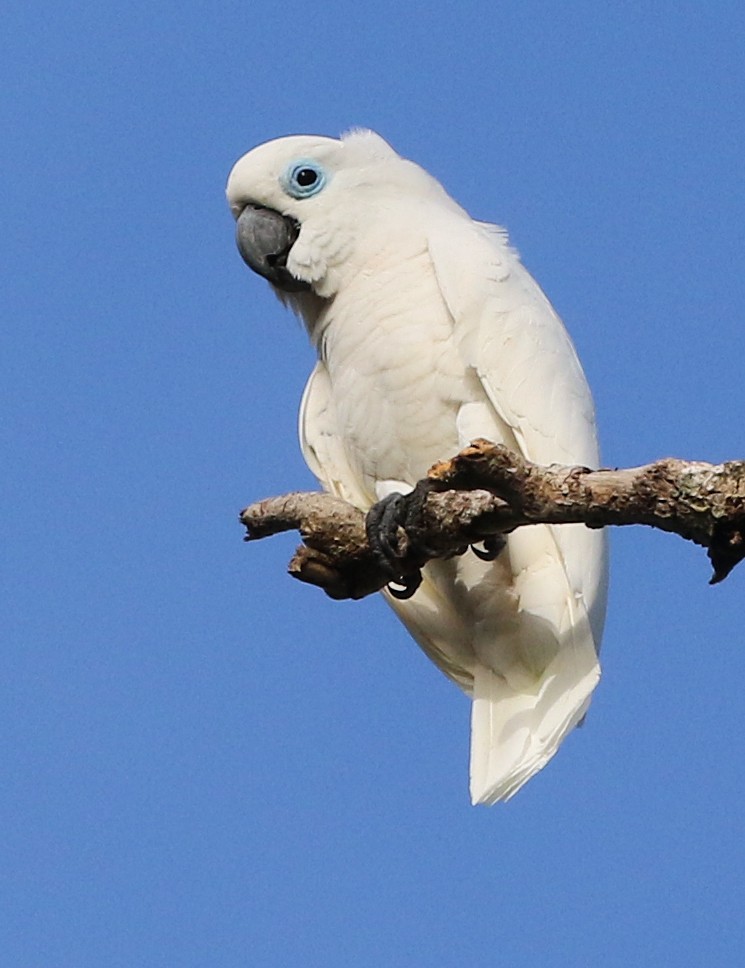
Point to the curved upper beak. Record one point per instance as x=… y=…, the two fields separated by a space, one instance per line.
x=264 y=239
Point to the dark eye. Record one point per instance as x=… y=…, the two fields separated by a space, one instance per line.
x=306 y=177
x=303 y=179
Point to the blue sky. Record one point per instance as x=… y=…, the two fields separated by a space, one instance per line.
x=205 y=763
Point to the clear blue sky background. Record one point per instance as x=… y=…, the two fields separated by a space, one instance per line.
x=204 y=763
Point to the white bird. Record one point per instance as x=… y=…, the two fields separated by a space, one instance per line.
x=430 y=333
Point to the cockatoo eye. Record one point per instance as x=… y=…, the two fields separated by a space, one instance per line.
x=306 y=177
x=303 y=179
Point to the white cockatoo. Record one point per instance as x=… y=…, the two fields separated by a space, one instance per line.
x=430 y=333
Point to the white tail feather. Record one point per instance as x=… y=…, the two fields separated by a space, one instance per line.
x=515 y=731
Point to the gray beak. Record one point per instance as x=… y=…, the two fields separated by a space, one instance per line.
x=264 y=239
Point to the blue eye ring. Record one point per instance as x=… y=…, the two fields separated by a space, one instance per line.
x=303 y=178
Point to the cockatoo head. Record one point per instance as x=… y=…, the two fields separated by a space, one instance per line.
x=309 y=210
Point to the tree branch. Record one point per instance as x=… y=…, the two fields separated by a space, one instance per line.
x=488 y=490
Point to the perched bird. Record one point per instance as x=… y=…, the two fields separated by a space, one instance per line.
x=429 y=333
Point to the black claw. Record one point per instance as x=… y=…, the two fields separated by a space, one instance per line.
x=492 y=546
x=405 y=587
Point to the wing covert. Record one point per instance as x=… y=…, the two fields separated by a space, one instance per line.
x=510 y=335
x=320 y=442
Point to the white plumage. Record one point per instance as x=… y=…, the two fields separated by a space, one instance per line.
x=430 y=333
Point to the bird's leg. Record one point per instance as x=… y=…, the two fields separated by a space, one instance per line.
x=382 y=523
x=394 y=532
x=389 y=525
x=385 y=525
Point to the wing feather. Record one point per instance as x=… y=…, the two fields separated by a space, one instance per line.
x=321 y=442
x=509 y=333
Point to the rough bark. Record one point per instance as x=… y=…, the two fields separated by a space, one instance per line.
x=487 y=490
